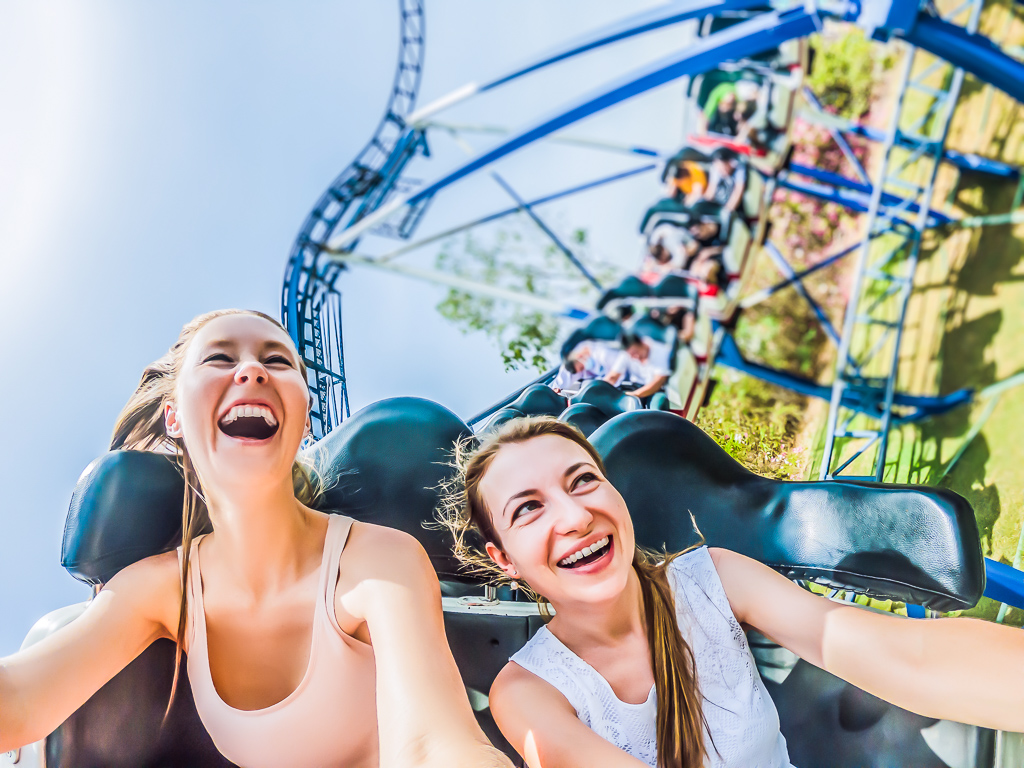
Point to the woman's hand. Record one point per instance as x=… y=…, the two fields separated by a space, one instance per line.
x=966 y=670
x=423 y=713
x=41 y=686
x=543 y=727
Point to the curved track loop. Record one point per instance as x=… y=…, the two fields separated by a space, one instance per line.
x=310 y=305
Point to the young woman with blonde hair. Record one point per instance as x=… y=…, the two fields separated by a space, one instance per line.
x=645 y=661
x=312 y=639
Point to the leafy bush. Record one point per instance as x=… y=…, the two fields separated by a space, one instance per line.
x=843 y=76
x=755 y=423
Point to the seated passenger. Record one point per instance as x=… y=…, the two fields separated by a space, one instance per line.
x=706 y=240
x=724 y=120
x=646 y=363
x=591 y=359
x=296 y=621
x=689 y=181
x=666 y=253
x=645 y=662
x=727 y=180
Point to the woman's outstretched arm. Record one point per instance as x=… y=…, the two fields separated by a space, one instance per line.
x=43 y=685
x=966 y=670
x=423 y=713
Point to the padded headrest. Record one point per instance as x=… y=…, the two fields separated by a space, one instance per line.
x=611 y=401
x=498 y=418
x=126 y=506
x=382 y=465
x=585 y=417
x=673 y=286
x=601 y=328
x=630 y=287
x=387 y=462
x=912 y=543
x=646 y=325
x=539 y=400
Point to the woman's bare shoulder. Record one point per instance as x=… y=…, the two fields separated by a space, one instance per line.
x=377 y=557
x=153 y=586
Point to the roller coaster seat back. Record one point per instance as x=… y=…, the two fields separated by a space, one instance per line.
x=914 y=544
x=601 y=328
x=609 y=400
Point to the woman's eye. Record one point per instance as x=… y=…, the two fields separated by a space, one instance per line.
x=585 y=478
x=218 y=356
x=528 y=506
x=278 y=360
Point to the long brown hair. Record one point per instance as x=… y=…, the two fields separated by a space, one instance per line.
x=140 y=427
x=680 y=721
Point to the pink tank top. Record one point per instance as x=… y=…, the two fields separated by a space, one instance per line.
x=329 y=721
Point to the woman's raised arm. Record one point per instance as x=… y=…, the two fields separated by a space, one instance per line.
x=43 y=685
x=965 y=670
x=423 y=713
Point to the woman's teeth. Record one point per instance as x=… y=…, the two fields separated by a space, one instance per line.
x=249 y=411
x=597 y=546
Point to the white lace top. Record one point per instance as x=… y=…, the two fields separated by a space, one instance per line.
x=743 y=725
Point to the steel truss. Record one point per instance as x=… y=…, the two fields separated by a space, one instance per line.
x=310 y=301
x=869 y=348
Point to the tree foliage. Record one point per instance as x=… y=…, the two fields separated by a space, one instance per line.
x=516 y=259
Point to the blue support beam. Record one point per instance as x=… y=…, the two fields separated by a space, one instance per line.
x=637 y=24
x=566 y=251
x=971 y=52
x=787 y=271
x=762 y=33
x=888 y=199
x=1004 y=584
x=866 y=398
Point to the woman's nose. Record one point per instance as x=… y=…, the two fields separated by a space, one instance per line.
x=573 y=516
x=250 y=371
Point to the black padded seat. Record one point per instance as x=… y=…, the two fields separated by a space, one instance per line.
x=125 y=507
x=586 y=417
x=403 y=438
x=120 y=725
x=539 y=400
x=610 y=400
x=911 y=543
x=631 y=287
x=498 y=418
x=601 y=328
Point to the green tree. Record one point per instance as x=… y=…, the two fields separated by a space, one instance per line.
x=515 y=259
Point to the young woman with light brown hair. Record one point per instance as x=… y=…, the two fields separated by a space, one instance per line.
x=312 y=640
x=645 y=661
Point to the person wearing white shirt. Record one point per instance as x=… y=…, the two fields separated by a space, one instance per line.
x=646 y=361
x=591 y=359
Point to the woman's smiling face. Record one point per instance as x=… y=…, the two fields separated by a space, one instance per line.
x=241 y=403
x=563 y=527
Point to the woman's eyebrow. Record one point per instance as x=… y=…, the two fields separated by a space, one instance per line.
x=277 y=345
x=521 y=494
x=576 y=466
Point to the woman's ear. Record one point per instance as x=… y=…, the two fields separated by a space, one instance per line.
x=171 y=424
x=501 y=560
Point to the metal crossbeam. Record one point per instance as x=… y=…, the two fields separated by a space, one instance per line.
x=869 y=349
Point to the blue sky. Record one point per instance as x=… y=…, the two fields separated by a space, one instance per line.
x=156 y=161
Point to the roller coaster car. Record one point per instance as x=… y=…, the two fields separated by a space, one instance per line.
x=914 y=544
x=778 y=75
